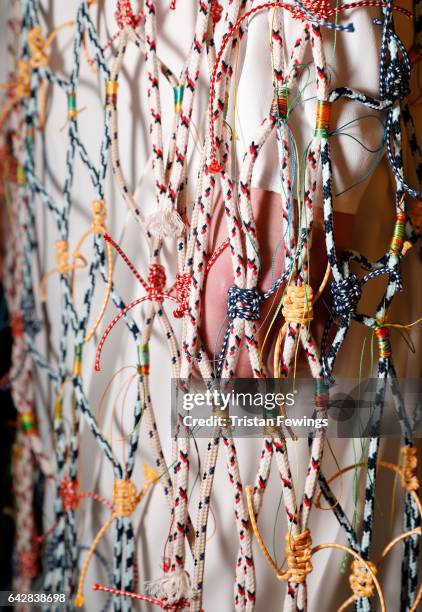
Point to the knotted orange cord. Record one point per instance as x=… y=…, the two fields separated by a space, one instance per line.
x=299 y=552
x=63 y=265
x=358 y=581
x=39 y=58
x=298 y=302
x=98 y=226
x=125 y=502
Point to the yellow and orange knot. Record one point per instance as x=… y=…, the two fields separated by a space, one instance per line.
x=63 y=265
x=20 y=85
x=99 y=228
x=299 y=552
x=363 y=577
x=361 y=581
x=409 y=475
x=125 y=501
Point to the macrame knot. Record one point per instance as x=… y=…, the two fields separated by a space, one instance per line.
x=243 y=303
x=28 y=564
x=23 y=81
x=409 y=478
x=346 y=295
x=99 y=216
x=165 y=223
x=361 y=581
x=30 y=322
x=216 y=11
x=62 y=256
x=182 y=287
x=297 y=304
x=69 y=493
x=124 y=15
x=156 y=282
x=299 y=552
x=38 y=48
x=319 y=8
x=125 y=499
x=17 y=325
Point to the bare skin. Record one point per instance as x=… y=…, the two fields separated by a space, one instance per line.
x=267 y=209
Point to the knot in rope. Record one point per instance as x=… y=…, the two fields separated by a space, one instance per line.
x=395 y=75
x=216 y=11
x=38 y=48
x=361 y=581
x=318 y=8
x=124 y=15
x=17 y=325
x=125 y=499
x=69 y=493
x=297 y=304
x=182 y=287
x=299 y=552
x=99 y=216
x=62 y=256
x=30 y=322
x=23 y=81
x=156 y=282
x=409 y=478
x=243 y=303
x=28 y=564
x=346 y=295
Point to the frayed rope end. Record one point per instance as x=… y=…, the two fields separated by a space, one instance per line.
x=165 y=223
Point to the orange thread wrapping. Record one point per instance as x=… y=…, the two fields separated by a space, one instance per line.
x=409 y=478
x=322 y=120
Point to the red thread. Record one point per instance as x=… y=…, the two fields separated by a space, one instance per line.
x=124 y=15
x=182 y=287
x=216 y=11
x=126 y=259
x=16 y=325
x=162 y=604
x=28 y=564
x=223 y=246
x=156 y=282
x=68 y=491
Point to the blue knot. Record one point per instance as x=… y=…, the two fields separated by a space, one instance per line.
x=243 y=304
x=346 y=295
x=31 y=324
